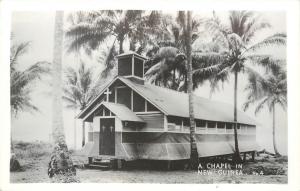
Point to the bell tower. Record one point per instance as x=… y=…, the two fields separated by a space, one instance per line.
x=131 y=66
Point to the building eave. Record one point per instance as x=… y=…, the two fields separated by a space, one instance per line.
x=79 y=116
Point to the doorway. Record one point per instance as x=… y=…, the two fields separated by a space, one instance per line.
x=107 y=136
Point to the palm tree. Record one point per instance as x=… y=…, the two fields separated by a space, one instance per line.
x=166 y=66
x=79 y=89
x=98 y=26
x=60 y=163
x=269 y=89
x=92 y=29
x=57 y=117
x=237 y=48
x=21 y=82
x=188 y=35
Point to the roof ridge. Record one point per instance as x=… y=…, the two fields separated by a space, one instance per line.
x=164 y=88
x=175 y=91
x=196 y=96
x=178 y=92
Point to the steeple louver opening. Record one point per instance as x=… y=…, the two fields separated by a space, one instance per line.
x=131 y=66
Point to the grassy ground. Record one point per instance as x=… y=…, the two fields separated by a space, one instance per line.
x=34 y=158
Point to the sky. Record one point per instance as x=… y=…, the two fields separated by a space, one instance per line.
x=38 y=28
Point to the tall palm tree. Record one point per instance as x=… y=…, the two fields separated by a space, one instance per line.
x=188 y=36
x=21 y=82
x=92 y=29
x=167 y=64
x=268 y=90
x=237 y=48
x=60 y=163
x=79 y=89
x=100 y=25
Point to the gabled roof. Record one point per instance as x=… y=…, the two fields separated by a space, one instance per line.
x=175 y=103
x=120 y=110
x=131 y=53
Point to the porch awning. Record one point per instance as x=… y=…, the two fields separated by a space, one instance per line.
x=120 y=110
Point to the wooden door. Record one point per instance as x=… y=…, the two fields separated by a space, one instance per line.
x=107 y=136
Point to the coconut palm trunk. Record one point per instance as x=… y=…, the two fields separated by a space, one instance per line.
x=237 y=156
x=61 y=163
x=193 y=145
x=121 y=42
x=57 y=115
x=273 y=132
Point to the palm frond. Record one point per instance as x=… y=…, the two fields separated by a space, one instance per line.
x=218 y=30
x=107 y=57
x=85 y=34
x=79 y=88
x=16 y=51
x=261 y=105
x=253 y=27
x=267 y=61
x=276 y=39
x=270 y=88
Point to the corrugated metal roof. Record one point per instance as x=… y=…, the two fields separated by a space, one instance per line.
x=122 y=112
x=128 y=53
x=176 y=103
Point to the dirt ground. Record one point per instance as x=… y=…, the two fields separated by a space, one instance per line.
x=34 y=170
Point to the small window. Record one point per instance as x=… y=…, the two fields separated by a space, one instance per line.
x=138 y=103
x=112 y=95
x=151 y=107
x=200 y=123
x=138 y=67
x=175 y=120
x=211 y=124
x=106 y=112
x=124 y=96
x=186 y=122
x=229 y=126
x=221 y=125
x=125 y=66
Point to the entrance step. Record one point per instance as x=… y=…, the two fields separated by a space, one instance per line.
x=98 y=166
x=101 y=163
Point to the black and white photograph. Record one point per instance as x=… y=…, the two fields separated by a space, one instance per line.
x=181 y=96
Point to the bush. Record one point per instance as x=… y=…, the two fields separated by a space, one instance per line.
x=31 y=149
x=281 y=159
x=14 y=164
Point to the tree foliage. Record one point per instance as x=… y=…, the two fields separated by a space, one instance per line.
x=80 y=87
x=167 y=64
x=22 y=81
x=90 y=30
x=267 y=89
